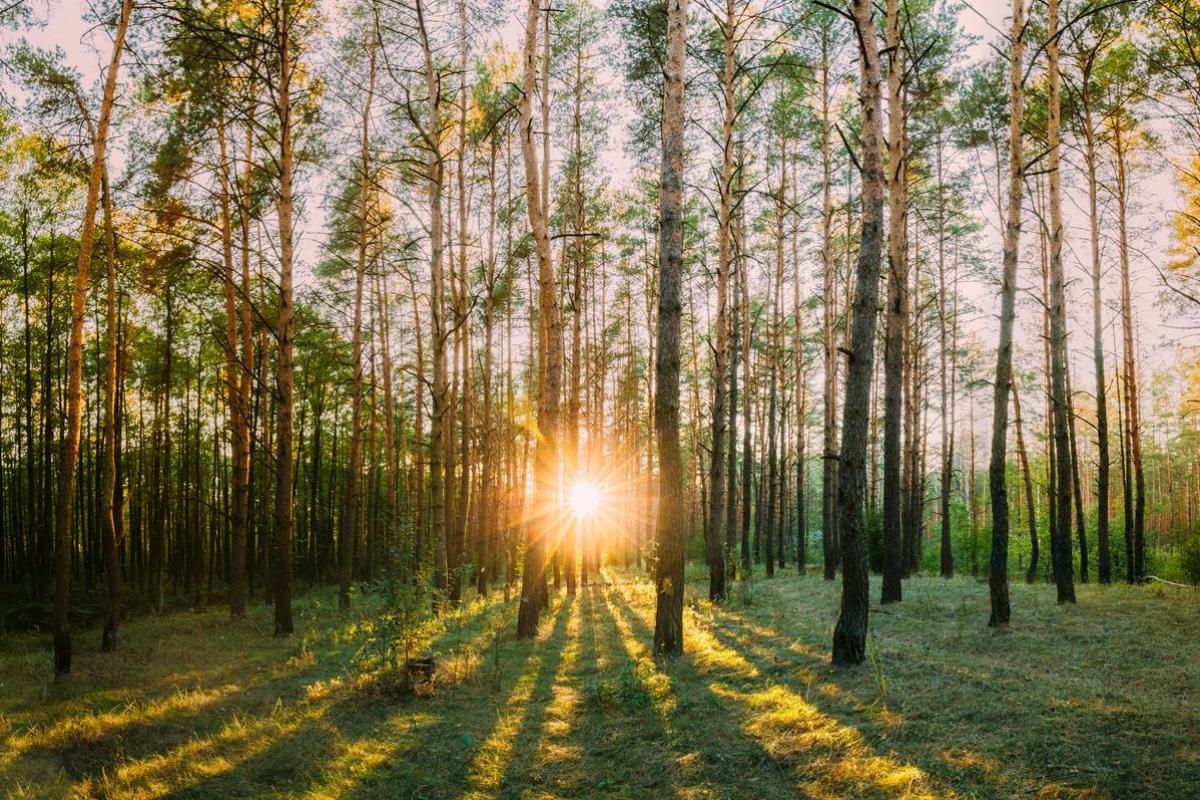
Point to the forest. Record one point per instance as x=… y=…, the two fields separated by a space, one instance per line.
x=600 y=398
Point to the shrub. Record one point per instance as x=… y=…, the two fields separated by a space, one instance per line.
x=1189 y=560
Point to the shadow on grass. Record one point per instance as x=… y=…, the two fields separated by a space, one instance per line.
x=994 y=715
x=824 y=755
x=222 y=737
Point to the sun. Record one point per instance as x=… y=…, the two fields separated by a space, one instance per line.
x=584 y=499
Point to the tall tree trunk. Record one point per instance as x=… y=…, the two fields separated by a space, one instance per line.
x=350 y=514
x=240 y=516
x=998 y=571
x=774 y=537
x=897 y=317
x=799 y=389
x=1063 y=566
x=947 y=359
x=70 y=448
x=748 y=399
x=1135 y=533
x=829 y=455
x=668 y=618
x=108 y=491
x=549 y=356
x=285 y=333
x=850 y=634
x=1104 y=559
x=487 y=515
x=462 y=332
x=438 y=434
x=716 y=480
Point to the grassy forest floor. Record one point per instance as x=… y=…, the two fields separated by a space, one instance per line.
x=1101 y=700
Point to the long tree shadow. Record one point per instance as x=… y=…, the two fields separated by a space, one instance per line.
x=824 y=755
x=525 y=742
x=433 y=746
x=964 y=690
x=710 y=752
x=346 y=734
x=224 y=740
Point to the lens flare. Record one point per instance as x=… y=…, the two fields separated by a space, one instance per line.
x=584 y=499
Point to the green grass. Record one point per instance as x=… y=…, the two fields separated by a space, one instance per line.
x=1101 y=700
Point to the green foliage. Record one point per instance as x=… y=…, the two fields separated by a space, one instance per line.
x=873 y=525
x=1189 y=560
x=399 y=625
x=636 y=685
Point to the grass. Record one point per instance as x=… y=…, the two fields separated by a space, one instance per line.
x=1101 y=700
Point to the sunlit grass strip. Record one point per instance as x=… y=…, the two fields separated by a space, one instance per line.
x=90 y=727
x=788 y=727
x=198 y=759
x=491 y=760
x=656 y=683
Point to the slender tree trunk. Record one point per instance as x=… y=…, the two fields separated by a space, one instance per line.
x=285 y=367
x=438 y=434
x=668 y=618
x=1063 y=566
x=108 y=509
x=350 y=522
x=716 y=481
x=1104 y=560
x=850 y=634
x=774 y=532
x=897 y=318
x=998 y=571
x=70 y=448
x=947 y=359
x=829 y=455
x=748 y=399
x=1136 y=567
x=549 y=355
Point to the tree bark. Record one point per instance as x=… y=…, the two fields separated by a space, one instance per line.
x=1135 y=532
x=70 y=447
x=350 y=513
x=1104 y=558
x=1063 y=566
x=549 y=356
x=850 y=634
x=829 y=464
x=285 y=333
x=897 y=316
x=108 y=491
x=670 y=533
x=998 y=570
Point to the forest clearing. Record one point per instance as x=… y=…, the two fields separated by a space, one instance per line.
x=193 y=707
